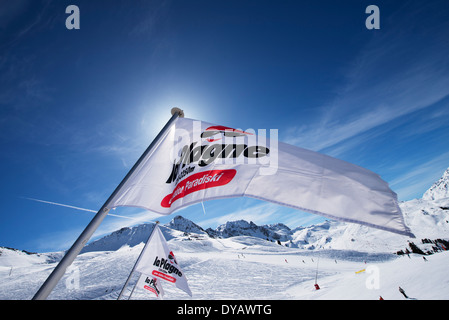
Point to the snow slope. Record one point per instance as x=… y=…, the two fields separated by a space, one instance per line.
x=243 y=268
x=421 y=280
x=238 y=262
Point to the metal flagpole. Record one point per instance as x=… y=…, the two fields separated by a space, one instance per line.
x=317 y=287
x=135 y=285
x=78 y=245
x=135 y=264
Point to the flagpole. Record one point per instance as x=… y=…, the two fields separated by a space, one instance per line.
x=135 y=264
x=78 y=245
x=135 y=285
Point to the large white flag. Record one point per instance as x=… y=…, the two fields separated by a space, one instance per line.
x=157 y=260
x=196 y=161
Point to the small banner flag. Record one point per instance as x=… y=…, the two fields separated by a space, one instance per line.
x=159 y=261
x=151 y=284
x=195 y=161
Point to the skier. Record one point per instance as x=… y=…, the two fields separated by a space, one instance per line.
x=403 y=292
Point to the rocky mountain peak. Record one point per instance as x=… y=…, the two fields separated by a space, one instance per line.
x=440 y=189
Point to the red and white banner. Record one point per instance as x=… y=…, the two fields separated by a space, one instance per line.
x=158 y=261
x=197 y=161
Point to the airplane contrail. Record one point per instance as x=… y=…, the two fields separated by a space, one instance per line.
x=77 y=208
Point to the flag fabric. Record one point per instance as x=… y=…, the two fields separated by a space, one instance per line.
x=150 y=284
x=197 y=161
x=158 y=261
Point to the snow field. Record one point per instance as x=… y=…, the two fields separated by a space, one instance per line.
x=216 y=269
x=421 y=280
x=241 y=268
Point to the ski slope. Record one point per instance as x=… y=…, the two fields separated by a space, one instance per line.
x=238 y=268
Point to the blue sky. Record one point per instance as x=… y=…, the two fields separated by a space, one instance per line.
x=78 y=107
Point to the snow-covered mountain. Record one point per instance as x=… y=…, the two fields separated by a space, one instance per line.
x=117 y=239
x=179 y=228
x=10 y=257
x=185 y=225
x=272 y=232
x=132 y=236
x=440 y=189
